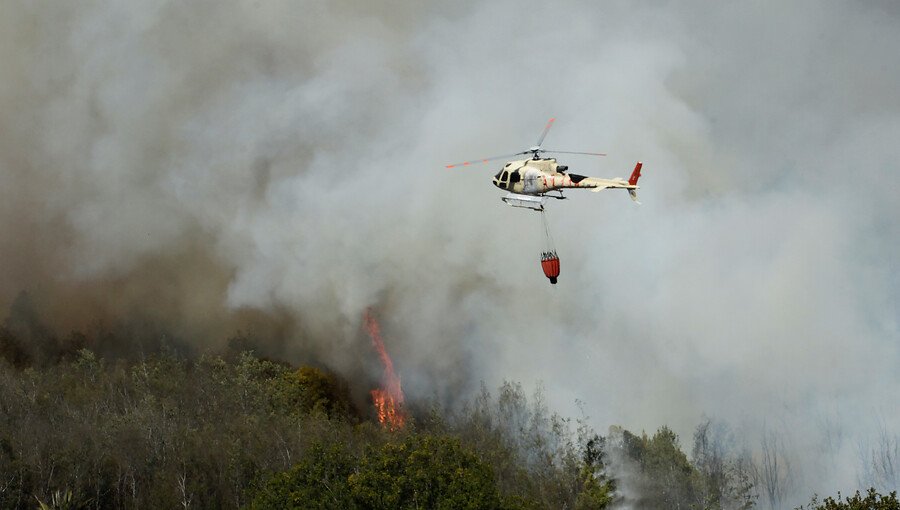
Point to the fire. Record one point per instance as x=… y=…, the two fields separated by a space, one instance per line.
x=389 y=398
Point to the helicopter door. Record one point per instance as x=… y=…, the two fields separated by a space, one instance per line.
x=530 y=182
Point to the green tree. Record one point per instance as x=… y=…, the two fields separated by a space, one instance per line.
x=318 y=481
x=311 y=390
x=665 y=479
x=871 y=501
x=668 y=466
x=597 y=491
x=724 y=475
x=424 y=471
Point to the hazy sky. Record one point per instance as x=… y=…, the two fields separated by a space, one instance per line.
x=193 y=161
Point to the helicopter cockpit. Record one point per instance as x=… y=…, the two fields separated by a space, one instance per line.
x=501 y=180
x=506 y=178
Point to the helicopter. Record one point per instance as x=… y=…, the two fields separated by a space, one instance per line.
x=530 y=181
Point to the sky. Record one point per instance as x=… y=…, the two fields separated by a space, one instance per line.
x=228 y=165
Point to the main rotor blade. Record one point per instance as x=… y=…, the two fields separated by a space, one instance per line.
x=485 y=160
x=570 y=152
x=546 y=128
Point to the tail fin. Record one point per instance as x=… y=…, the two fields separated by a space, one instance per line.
x=633 y=180
x=636 y=174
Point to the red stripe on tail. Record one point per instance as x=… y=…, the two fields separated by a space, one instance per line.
x=636 y=174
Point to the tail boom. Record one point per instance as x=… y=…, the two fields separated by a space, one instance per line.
x=631 y=184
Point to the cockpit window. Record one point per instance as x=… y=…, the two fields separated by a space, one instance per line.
x=504 y=176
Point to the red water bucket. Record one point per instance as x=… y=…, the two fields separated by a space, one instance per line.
x=550 y=265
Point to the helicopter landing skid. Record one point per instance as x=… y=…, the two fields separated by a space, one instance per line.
x=558 y=197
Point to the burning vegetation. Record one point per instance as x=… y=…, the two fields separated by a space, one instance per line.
x=388 y=399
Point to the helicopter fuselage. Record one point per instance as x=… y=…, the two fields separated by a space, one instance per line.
x=539 y=176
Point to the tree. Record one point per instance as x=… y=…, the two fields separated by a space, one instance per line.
x=656 y=469
x=533 y=453
x=724 y=477
x=668 y=467
x=318 y=481
x=773 y=474
x=12 y=349
x=597 y=491
x=871 y=501
x=881 y=463
x=424 y=471
x=311 y=390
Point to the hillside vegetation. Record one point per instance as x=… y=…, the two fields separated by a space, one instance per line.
x=178 y=430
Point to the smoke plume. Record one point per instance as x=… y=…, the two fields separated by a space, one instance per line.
x=279 y=167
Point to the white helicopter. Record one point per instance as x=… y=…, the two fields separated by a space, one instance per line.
x=530 y=180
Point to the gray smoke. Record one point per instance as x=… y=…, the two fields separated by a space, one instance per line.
x=216 y=165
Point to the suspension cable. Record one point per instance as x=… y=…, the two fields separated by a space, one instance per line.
x=547 y=237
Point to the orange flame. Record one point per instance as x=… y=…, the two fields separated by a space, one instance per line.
x=388 y=399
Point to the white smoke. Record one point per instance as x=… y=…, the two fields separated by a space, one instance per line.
x=285 y=156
